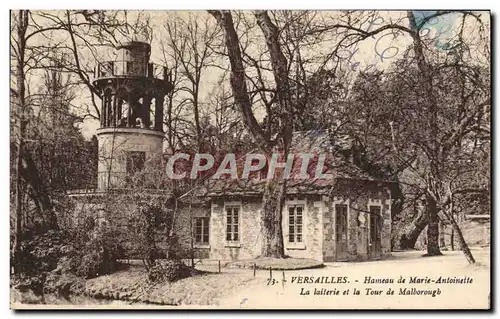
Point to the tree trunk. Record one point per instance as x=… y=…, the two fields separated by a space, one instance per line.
x=18 y=207
x=275 y=191
x=432 y=228
x=455 y=228
x=407 y=238
x=442 y=241
x=238 y=77
x=431 y=108
x=19 y=112
x=30 y=174
x=452 y=238
x=150 y=251
x=461 y=241
x=271 y=230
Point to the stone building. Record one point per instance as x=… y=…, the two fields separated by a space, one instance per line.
x=131 y=133
x=345 y=218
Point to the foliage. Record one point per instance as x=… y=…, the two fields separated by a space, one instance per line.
x=96 y=250
x=427 y=110
x=143 y=226
x=49 y=154
x=63 y=284
x=56 y=261
x=99 y=256
x=40 y=253
x=169 y=270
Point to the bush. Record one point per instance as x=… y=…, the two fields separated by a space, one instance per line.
x=169 y=270
x=39 y=256
x=25 y=284
x=40 y=253
x=63 y=284
x=96 y=256
x=144 y=227
x=56 y=261
x=87 y=253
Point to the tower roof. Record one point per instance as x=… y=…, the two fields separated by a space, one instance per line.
x=134 y=44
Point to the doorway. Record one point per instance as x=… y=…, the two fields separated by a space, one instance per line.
x=374 y=242
x=341 y=232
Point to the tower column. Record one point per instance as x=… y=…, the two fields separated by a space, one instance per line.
x=146 y=107
x=128 y=87
x=119 y=107
x=129 y=111
x=108 y=108
x=103 y=111
x=115 y=111
x=159 y=112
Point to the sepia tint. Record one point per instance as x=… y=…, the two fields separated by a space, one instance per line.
x=250 y=159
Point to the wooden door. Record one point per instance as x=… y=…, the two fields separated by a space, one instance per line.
x=374 y=243
x=341 y=232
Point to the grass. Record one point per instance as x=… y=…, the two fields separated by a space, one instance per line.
x=132 y=285
x=277 y=263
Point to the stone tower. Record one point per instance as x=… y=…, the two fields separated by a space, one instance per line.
x=131 y=131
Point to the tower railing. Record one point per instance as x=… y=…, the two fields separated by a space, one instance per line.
x=132 y=68
x=141 y=180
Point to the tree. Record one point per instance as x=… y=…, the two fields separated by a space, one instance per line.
x=395 y=122
x=269 y=82
x=38 y=43
x=274 y=190
x=188 y=42
x=427 y=138
x=22 y=62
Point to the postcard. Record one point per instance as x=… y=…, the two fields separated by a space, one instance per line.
x=266 y=159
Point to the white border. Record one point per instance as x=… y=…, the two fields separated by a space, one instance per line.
x=196 y=4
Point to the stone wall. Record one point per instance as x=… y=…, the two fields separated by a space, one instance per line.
x=358 y=200
x=387 y=226
x=249 y=231
x=249 y=245
x=114 y=142
x=328 y=232
x=312 y=245
x=183 y=230
x=114 y=210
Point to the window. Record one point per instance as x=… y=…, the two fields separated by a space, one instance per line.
x=106 y=69
x=201 y=230
x=232 y=223
x=135 y=162
x=295 y=220
x=129 y=68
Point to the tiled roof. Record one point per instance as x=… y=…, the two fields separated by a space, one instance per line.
x=309 y=142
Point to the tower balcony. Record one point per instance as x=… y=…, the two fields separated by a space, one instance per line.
x=113 y=69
